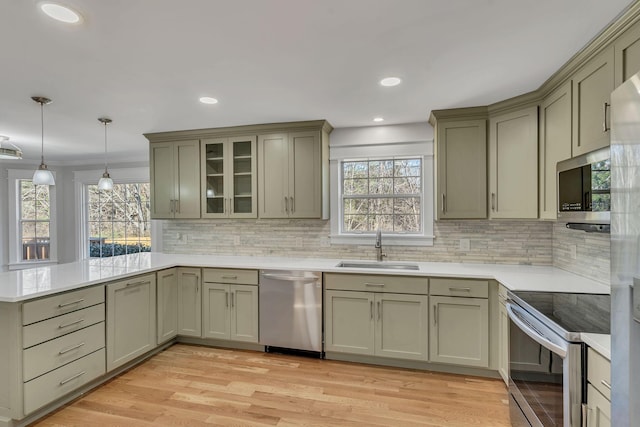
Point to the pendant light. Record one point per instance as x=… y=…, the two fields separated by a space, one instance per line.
x=42 y=176
x=105 y=183
x=9 y=153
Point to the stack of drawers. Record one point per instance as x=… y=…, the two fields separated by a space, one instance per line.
x=598 y=389
x=63 y=344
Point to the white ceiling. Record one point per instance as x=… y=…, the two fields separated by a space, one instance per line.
x=145 y=63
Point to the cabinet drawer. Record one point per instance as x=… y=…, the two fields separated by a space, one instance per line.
x=228 y=275
x=377 y=283
x=55 y=353
x=599 y=372
x=45 y=308
x=55 y=384
x=460 y=288
x=58 y=326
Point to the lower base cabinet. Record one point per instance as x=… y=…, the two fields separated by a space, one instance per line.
x=599 y=413
x=459 y=333
x=503 y=336
x=167 y=304
x=377 y=324
x=598 y=390
x=131 y=319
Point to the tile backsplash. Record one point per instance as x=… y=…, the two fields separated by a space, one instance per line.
x=500 y=242
x=585 y=254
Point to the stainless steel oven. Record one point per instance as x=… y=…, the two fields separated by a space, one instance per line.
x=546 y=356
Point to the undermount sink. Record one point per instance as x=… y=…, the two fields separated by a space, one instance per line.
x=381 y=265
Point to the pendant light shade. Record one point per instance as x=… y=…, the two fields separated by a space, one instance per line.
x=42 y=176
x=105 y=183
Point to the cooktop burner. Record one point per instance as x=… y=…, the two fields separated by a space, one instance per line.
x=573 y=312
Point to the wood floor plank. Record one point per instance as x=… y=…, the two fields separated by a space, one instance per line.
x=188 y=385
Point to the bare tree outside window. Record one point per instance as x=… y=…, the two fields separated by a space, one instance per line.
x=382 y=194
x=35 y=220
x=119 y=220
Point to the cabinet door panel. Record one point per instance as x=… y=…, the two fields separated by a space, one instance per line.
x=189 y=302
x=599 y=414
x=244 y=313
x=273 y=182
x=349 y=324
x=167 y=296
x=187 y=179
x=162 y=185
x=459 y=331
x=305 y=183
x=401 y=326
x=131 y=319
x=216 y=306
x=627 y=54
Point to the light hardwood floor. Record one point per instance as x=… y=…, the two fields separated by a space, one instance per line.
x=191 y=386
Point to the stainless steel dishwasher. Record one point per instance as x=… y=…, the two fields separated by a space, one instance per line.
x=291 y=310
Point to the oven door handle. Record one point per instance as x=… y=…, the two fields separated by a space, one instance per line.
x=536 y=336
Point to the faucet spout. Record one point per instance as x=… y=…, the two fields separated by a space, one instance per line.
x=379 y=254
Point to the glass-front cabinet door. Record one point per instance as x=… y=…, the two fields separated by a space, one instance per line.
x=229 y=177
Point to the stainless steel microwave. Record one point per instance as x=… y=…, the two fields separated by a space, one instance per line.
x=584 y=188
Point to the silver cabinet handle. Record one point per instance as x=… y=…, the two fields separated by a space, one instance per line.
x=231 y=204
x=66 y=325
x=460 y=289
x=286 y=204
x=67 y=304
x=493 y=201
x=226 y=299
x=234 y=277
x=178 y=206
x=606 y=384
x=233 y=299
x=171 y=205
x=605 y=127
x=444 y=200
x=291 y=204
x=136 y=283
x=374 y=285
x=63 y=382
x=75 y=347
x=435 y=314
x=379 y=311
x=371 y=309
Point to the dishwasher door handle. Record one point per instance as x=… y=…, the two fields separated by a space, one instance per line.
x=289 y=278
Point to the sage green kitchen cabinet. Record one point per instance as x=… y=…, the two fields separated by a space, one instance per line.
x=189 y=302
x=592 y=87
x=503 y=336
x=459 y=322
x=167 y=304
x=377 y=324
x=513 y=168
x=229 y=177
x=555 y=146
x=230 y=304
x=460 y=152
x=290 y=175
x=131 y=319
x=598 y=389
x=175 y=179
x=627 y=54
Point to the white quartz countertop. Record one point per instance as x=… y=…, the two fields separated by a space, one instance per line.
x=599 y=342
x=22 y=285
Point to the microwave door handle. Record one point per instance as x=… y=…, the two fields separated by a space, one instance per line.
x=543 y=341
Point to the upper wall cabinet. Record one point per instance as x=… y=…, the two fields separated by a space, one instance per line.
x=554 y=146
x=627 y=54
x=291 y=174
x=175 y=179
x=592 y=86
x=224 y=172
x=513 y=169
x=229 y=177
x=460 y=151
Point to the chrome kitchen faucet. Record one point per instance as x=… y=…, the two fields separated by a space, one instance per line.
x=379 y=254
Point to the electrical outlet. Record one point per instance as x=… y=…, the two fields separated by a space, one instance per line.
x=465 y=244
x=573 y=251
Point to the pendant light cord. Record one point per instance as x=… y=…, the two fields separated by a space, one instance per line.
x=105 y=147
x=42 y=132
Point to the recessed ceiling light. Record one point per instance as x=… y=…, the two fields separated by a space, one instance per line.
x=208 y=100
x=391 y=81
x=378 y=119
x=61 y=13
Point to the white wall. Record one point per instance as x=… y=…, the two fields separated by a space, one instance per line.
x=409 y=132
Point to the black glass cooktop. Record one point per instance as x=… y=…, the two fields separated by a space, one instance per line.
x=573 y=312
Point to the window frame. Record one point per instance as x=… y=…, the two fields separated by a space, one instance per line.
x=82 y=180
x=15 y=245
x=382 y=151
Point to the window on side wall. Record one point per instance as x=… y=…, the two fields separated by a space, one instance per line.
x=32 y=221
x=390 y=193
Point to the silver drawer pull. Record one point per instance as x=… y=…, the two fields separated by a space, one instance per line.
x=378 y=285
x=78 y=375
x=67 y=350
x=137 y=283
x=230 y=277
x=67 y=304
x=460 y=289
x=66 y=325
x=606 y=384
